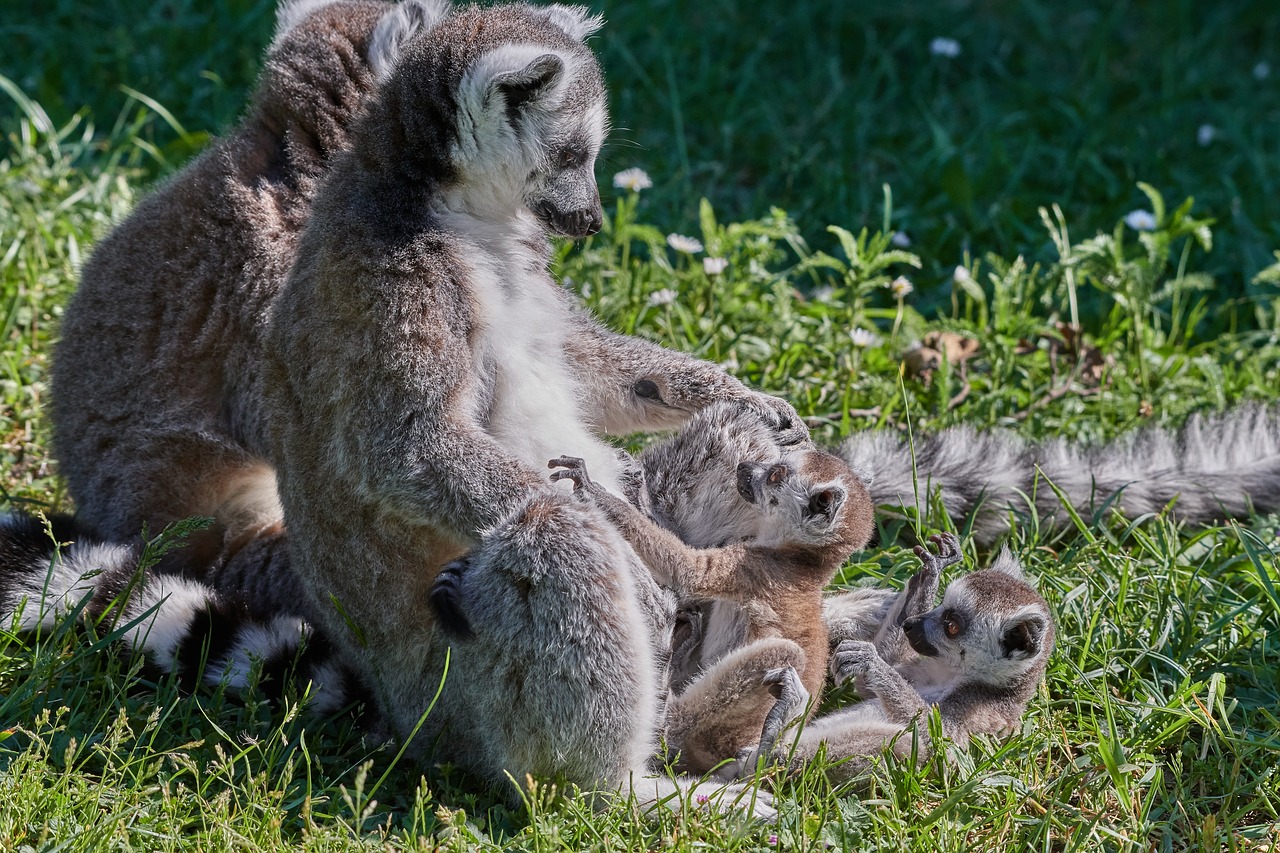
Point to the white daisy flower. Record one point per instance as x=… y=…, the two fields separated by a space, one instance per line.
x=863 y=338
x=824 y=294
x=941 y=46
x=1140 y=220
x=1206 y=134
x=961 y=275
x=665 y=296
x=714 y=266
x=634 y=179
x=901 y=287
x=900 y=240
x=681 y=243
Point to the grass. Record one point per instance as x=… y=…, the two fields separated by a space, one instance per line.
x=1157 y=726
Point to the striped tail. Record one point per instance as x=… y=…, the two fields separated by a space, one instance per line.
x=50 y=570
x=1217 y=466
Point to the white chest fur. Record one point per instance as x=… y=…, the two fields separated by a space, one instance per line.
x=534 y=408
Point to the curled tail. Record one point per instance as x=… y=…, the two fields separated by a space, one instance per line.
x=1217 y=466
x=50 y=570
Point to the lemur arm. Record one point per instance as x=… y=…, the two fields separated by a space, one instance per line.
x=918 y=597
x=692 y=572
x=633 y=385
x=902 y=703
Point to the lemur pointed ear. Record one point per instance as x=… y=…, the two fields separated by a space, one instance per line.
x=577 y=21
x=1008 y=564
x=826 y=501
x=533 y=82
x=1023 y=636
x=396 y=26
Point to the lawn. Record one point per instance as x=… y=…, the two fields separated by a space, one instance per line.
x=996 y=170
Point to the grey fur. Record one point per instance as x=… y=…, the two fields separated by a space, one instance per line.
x=794 y=516
x=980 y=680
x=422 y=368
x=1216 y=466
x=389 y=402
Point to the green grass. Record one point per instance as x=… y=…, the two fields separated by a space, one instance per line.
x=1157 y=726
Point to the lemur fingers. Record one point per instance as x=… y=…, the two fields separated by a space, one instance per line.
x=853 y=658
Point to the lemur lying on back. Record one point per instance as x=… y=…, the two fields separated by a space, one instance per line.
x=978 y=657
x=801 y=513
x=813 y=513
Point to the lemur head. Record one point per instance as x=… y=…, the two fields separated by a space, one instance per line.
x=500 y=109
x=992 y=626
x=807 y=497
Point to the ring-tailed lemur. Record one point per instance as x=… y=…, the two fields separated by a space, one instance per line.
x=978 y=657
x=812 y=512
x=420 y=364
x=1215 y=467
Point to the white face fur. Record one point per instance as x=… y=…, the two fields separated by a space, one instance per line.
x=532 y=120
x=793 y=507
x=990 y=627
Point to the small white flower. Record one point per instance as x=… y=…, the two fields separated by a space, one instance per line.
x=1140 y=220
x=961 y=275
x=634 y=179
x=1206 y=134
x=864 y=338
x=901 y=287
x=900 y=240
x=824 y=294
x=665 y=296
x=714 y=266
x=681 y=243
x=1262 y=70
x=941 y=46
x=757 y=269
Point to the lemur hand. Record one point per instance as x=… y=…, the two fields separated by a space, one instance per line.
x=781 y=417
x=853 y=658
x=572 y=468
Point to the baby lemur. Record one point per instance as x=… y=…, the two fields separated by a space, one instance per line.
x=810 y=513
x=978 y=657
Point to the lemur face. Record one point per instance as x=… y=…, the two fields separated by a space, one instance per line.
x=991 y=627
x=804 y=498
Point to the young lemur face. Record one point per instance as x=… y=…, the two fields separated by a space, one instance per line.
x=807 y=497
x=991 y=626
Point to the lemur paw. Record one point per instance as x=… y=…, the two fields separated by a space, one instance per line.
x=782 y=418
x=571 y=468
x=853 y=658
x=784 y=684
x=445 y=599
x=948 y=546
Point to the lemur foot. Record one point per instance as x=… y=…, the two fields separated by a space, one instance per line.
x=445 y=599
x=785 y=685
x=853 y=658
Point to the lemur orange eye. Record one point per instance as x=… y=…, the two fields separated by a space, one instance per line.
x=951 y=625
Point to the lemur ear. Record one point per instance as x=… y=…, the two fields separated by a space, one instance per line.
x=508 y=81
x=1008 y=564
x=1023 y=636
x=400 y=23
x=577 y=21
x=826 y=501
x=530 y=84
